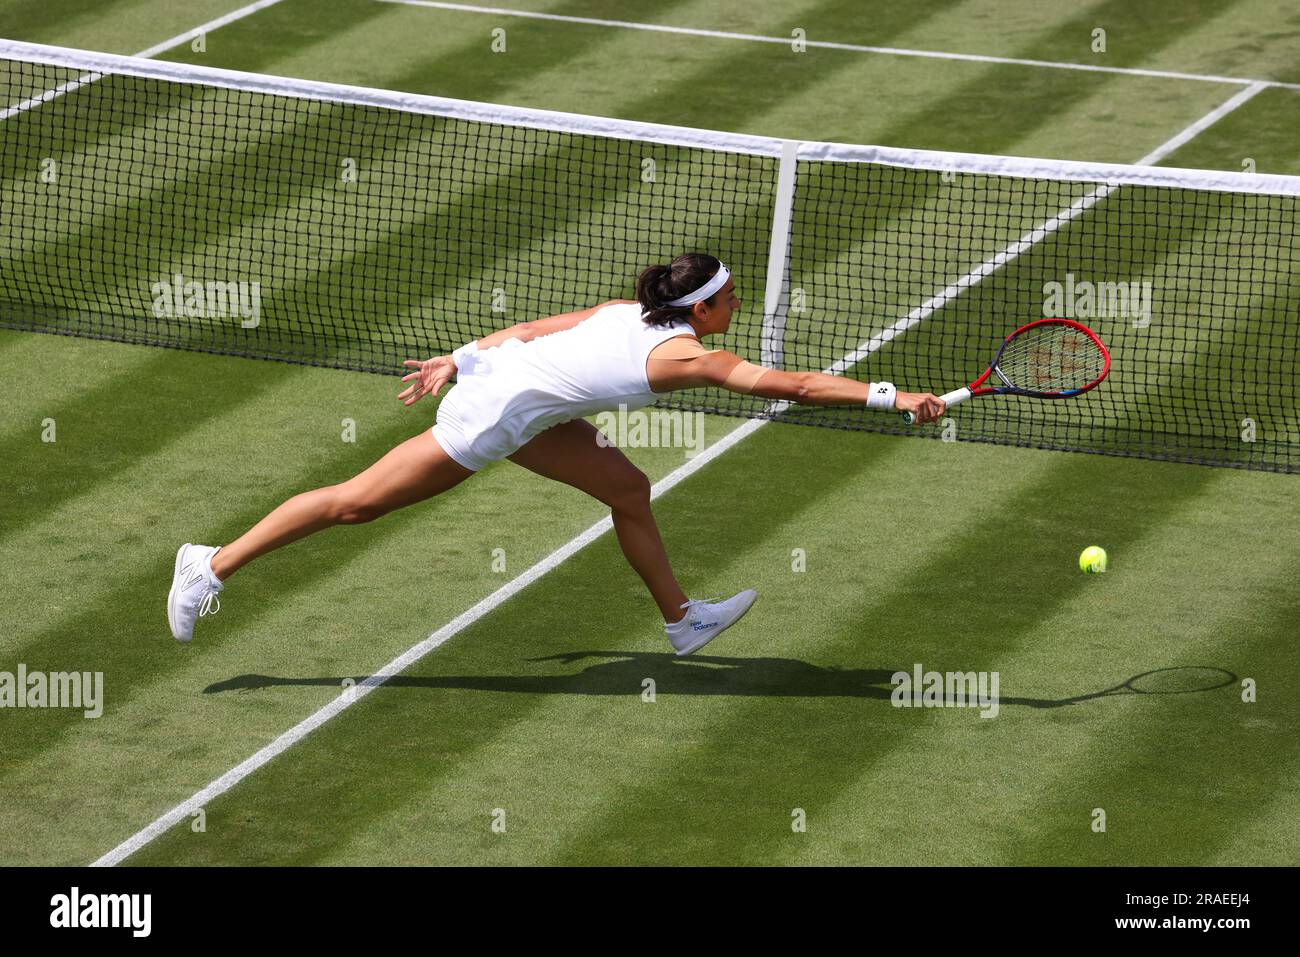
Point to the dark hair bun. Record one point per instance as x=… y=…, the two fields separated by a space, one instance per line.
x=659 y=285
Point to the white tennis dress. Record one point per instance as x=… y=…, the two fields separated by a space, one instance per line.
x=518 y=389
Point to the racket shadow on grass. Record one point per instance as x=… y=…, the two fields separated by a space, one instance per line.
x=1185 y=679
x=624 y=673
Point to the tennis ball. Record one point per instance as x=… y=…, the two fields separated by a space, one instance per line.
x=1093 y=561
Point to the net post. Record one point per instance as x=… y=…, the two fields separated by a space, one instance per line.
x=776 y=299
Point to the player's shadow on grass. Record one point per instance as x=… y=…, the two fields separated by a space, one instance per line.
x=625 y=673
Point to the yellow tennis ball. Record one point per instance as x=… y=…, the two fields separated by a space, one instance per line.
x=1093 y=561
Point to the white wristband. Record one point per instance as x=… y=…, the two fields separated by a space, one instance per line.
x=881 y=396
x=465 y=357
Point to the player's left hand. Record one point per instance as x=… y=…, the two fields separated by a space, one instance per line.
x=433 y=374
x=926 y=406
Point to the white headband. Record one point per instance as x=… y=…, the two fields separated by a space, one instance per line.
x=704 y=292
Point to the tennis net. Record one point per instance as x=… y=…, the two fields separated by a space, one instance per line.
x=251 y=215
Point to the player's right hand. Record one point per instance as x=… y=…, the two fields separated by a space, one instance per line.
x=926 y=406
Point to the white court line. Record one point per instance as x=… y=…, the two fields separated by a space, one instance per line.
x=851 y=47
x=216 y=24
x=180 y=38
x=340 y=704
x=1036 y=235
x=1206 y=121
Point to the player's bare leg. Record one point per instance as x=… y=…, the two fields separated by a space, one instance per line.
x=412 y=472
x=569 y=453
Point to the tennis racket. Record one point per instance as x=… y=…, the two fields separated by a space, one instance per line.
x=1045 y=359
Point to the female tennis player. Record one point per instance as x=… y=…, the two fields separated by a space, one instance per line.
x=521 y=393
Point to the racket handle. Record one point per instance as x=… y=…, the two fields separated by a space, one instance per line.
x=949 y=400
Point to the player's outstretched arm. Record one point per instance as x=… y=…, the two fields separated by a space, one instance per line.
x=731 y=372
x=544 y=327
x=819 y=388
x=435 y=372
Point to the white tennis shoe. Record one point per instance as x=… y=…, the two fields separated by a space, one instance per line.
x=194 y=590
x=706 y=619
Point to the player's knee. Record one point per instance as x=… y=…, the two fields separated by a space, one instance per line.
x=348 y=508
x=631 y=492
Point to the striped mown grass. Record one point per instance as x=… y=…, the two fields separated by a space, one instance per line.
x=949 y=555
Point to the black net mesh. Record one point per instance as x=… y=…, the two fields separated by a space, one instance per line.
x=917 y=276
x=200 y=217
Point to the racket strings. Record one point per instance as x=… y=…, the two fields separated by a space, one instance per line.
x=1051 y=358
